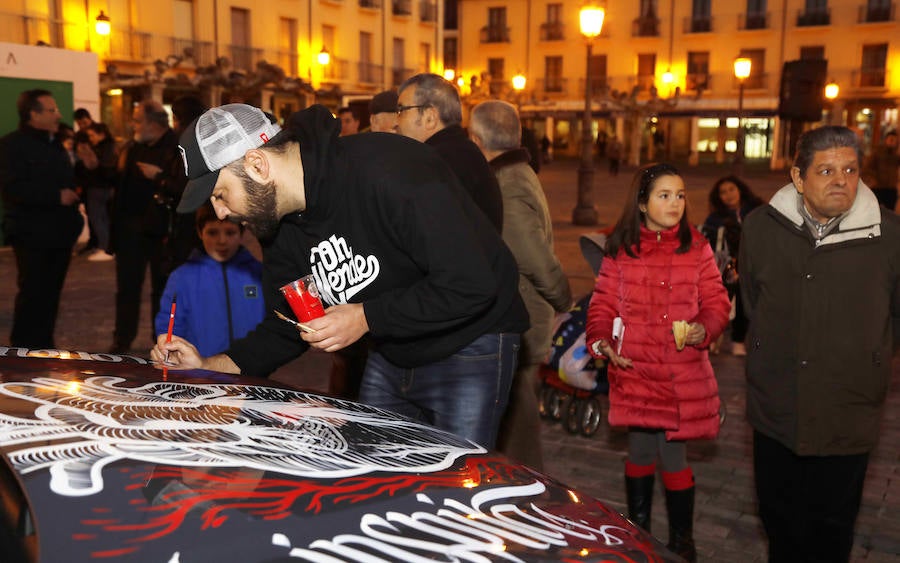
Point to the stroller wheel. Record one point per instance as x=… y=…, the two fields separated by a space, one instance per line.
x=558 y=404
x=589 y=414
x=544 y=404
x=572 y=421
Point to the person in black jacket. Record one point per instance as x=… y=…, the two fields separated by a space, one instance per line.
x=182 y=237
x=730 y=201
x=398 y=250
x=97 y=174
x=429 y=111
x=41 y=219
x=141 y=219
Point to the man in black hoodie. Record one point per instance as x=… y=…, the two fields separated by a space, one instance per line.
x=399 y=252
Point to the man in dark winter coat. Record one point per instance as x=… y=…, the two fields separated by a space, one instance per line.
x=41 y=219
x=398 y=251
x=820 y=274
x=429 y=111
x=141 y=219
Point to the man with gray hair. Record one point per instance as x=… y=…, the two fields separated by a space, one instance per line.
x=140 y=222
x=528 y=232
x=820 y=274
x=430 y=112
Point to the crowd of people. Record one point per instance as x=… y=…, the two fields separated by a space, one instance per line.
x=432 y=248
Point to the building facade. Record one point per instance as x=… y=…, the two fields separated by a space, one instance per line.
x=269 y=53
x=662 y=74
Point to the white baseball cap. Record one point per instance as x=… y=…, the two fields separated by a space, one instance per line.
x=216 y=139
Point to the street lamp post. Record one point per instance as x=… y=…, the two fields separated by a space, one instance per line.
x=591 y=20
x=741 y=72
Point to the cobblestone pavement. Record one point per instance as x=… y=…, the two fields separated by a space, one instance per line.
x=726 y=529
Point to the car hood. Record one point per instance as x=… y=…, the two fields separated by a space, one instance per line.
x=117 y=460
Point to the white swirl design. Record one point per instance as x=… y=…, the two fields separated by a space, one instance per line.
x=79 y=427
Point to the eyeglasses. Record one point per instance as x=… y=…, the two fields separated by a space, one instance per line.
x=401 y=108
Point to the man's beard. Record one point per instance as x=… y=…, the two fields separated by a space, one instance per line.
x=262 y=216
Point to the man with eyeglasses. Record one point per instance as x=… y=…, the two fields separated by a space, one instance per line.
x=400 y=254
x=430 y=112
x=41 y=219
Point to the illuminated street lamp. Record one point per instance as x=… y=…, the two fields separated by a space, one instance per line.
x=836 y=109
x=324 y=57
x=518 y=82
x=742 y=68
x=591 y=20
x=449 y=74
x=101 y=24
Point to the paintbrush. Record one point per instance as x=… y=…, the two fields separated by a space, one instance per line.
x=301 y=326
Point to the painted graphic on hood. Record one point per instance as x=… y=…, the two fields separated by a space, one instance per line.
x=78 y=428
x=341 y=274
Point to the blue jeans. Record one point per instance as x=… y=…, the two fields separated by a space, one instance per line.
x=465 y=393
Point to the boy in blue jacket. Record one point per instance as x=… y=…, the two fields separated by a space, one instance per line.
x=218 y=289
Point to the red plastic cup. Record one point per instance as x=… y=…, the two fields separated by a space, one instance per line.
x=303 y=297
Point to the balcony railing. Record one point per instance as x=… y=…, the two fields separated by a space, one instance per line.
x=753 y=20
x=553 y=85
x=369 y=73
x=243 y=57
x=645 y=82
x=598 y=84
x=201 y=53
x=398 y=75
x=753 y=82
x=402 y=7
x=552 y=31
x=494 y=34
x=372 y=4
x=289 y=62
x=697 y=24
x=130 y=45
x=645 y=26
x=869 y=78
x=427 y=12
x=808 y=18
x=697 y=81
x=29 y=30
x=869 y=13
x=335 y=70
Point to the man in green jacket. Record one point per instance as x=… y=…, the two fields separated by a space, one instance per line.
x=528 y=232
x=820 y=272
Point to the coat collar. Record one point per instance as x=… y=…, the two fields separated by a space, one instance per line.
x=862 y=220
x=515 y=156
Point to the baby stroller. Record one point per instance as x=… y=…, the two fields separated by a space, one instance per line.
x=571 y=378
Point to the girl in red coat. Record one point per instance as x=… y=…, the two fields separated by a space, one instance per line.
x=658 y=270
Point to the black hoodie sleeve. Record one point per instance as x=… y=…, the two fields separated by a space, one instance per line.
x=273 y=342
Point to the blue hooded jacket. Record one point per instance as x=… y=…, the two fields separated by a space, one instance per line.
x=217 y=302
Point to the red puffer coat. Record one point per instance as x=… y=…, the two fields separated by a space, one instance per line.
x=666 y=389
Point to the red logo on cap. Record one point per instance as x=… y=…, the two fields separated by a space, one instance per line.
x=264 y=137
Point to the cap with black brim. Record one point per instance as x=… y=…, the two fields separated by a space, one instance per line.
x=214 y=140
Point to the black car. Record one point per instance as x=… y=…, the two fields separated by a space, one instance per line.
x=108 y=458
